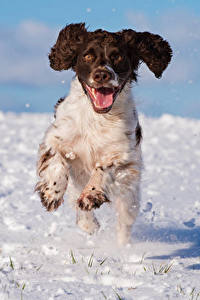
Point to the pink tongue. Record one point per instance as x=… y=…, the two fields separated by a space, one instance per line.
x=104 y=100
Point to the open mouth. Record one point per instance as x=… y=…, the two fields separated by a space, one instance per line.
x=102 y=98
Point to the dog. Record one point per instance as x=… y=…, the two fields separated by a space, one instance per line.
x=95 y=139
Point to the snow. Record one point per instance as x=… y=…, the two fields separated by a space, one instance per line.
x=45 y=256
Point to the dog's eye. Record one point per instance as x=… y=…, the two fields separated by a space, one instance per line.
x=89 y=57
x=116 y=57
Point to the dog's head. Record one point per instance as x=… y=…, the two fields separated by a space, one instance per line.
x=105 y=61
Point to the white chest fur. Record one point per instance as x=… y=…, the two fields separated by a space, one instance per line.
x=92 y=136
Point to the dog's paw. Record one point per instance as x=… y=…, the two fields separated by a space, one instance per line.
x=51 y=204
x=89 y=225
x=51 y=198
x=91 y=199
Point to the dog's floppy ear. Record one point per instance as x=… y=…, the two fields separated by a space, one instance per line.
x=64 y=53
x=150 y=48
x=154 y=51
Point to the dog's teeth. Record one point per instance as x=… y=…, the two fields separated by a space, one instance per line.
x=93 y=92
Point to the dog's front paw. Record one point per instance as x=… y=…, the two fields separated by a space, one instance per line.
x=51 y=199
x=91 y=199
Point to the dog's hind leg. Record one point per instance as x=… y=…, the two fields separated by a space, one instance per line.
x=87 y=221
x=127 y=211
x=127 y=200
x=92 y=196
x=127 y=207
x=53 y=171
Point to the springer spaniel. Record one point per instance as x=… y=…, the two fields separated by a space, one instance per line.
x=95 y=140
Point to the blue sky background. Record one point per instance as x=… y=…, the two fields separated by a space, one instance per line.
x=29 y=28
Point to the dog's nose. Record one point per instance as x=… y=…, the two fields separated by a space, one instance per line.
x=102 y=76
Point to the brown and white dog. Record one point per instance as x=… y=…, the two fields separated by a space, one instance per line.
x=95 y=140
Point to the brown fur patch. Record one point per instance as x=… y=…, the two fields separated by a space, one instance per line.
x=48 y=202
x=138 y=134
x=42 y=163
x=57 y=104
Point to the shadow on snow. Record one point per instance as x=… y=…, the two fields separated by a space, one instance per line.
x=172 y=236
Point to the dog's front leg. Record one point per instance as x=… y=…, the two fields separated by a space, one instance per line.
x=53 y=171
x=94 y=193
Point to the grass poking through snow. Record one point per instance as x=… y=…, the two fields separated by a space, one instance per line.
x=91 y=262
x=11 y=263
x=91 y=259
x=72 y=257
x=159 y=270
x=162 y=269
x=193 y=295
x=118 y=296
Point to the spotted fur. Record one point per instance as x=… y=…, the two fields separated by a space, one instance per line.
x=57 y=104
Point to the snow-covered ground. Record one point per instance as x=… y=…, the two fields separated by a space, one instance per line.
x=44 y=256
